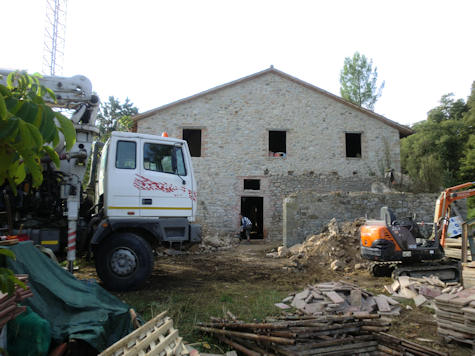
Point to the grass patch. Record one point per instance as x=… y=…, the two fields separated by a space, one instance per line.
x=187 y=307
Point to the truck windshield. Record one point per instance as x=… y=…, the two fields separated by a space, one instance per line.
x=159 y=158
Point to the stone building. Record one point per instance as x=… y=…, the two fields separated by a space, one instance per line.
x=260 y=138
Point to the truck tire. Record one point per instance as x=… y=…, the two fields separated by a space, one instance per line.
x=124 y=261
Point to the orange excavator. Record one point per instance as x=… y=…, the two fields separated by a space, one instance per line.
x=398 y=246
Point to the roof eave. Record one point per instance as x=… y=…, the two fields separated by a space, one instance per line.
x=404 y=131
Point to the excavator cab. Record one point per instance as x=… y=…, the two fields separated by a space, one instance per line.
x=398 y=246
x=391 y=239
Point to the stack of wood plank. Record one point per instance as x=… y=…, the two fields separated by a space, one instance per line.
x=156 y=337
x=339 y=297
x=455 y=315
x=305 y=335
x=453 y=249
x=8 y=303
x=468 y=274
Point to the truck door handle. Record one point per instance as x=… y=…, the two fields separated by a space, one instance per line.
x=147 y=201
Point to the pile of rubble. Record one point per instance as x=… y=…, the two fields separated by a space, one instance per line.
x=454 y=305
x=216 y=242
x=341 y=297
x=422 y=290
x=210 y=243
x=336 y=246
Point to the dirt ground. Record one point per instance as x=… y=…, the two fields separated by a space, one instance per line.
x=247 y=264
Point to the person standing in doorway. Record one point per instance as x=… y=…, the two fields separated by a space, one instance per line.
x=246 y=226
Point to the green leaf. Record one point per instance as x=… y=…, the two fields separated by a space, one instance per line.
x=5 y=159
x=52 y=154
x=13 y=105
x=28 y=112
x=47 y=126
x=7 y=252
x=18 y=172
x=68 y=130
x=36 y=135
x=9 y=128
x=3 y=108
x=25 y=137
x=8 y=281
x=10 y=80
x=55 y=139
x=50 y=93
x=33 y=167
x=4 y=91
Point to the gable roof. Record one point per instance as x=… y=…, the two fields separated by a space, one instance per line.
x=403 y=130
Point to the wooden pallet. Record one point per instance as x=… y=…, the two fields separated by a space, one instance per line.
x=453 y=249
x=156 y=337
x=468 y=274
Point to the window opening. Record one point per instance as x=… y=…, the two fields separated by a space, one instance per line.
x=126 y=155
x=252 y=184
x=163 y=158
x=353 y=144
x=193 y=138
x=277 y=143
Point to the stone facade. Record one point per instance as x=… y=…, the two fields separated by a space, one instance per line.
x=306 y=213
x=235 y=120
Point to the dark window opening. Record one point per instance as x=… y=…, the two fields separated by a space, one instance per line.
x=353 y=144
x=277 y=144
x=252 y=184
x=253 y=208
x=193 y=138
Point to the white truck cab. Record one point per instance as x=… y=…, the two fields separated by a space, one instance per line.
x=146 y=176
x=147 y=192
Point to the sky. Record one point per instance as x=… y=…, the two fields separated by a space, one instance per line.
x=157 y=52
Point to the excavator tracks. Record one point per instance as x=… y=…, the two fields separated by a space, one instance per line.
x=446 y=271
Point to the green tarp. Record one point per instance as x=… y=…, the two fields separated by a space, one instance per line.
x=75 y=309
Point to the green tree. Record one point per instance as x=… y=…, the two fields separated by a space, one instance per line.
x=467 y=164
x=440 y=152
x=114 y=116
x=358 y=81
x=29 y=129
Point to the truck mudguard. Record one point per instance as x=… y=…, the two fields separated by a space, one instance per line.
x=165 y=229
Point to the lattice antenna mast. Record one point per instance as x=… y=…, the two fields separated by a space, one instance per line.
x=55 y=33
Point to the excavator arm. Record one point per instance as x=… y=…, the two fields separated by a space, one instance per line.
x=442 y=206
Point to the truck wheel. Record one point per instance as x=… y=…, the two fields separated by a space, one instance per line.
x=124 y=261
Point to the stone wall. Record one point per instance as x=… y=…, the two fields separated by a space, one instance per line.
x=235 y=122
x=283 y=185
x=305 y=213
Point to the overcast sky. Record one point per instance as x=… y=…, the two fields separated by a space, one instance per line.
x=156 y=52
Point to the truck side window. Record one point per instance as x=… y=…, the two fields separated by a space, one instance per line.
x=180 y=162
x=159 y=158
x=126 y=155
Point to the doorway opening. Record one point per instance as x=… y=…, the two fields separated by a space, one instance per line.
x=253 y=208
